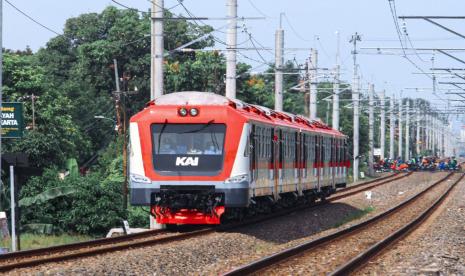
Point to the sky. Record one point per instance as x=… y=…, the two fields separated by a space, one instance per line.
x=307 y=24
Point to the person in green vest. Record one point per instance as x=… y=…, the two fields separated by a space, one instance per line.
x=453 y=164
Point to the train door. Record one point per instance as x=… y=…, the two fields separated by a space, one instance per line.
x=276 y=157
x=318 y=146
x=333 y=163
x=253 y=159
x=298 y=160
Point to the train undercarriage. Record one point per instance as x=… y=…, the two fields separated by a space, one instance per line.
x=205 y=206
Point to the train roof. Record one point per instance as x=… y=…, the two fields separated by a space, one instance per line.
x=251 y=111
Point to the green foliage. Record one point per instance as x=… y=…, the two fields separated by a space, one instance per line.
x=138 y=216
x=39 y=228
x=47 y=195
x=32 y=241
x=86 y=204
x=355 y=215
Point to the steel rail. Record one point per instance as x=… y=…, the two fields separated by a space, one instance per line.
x=80 y=245
x=278 y=257
x=343 y=194
x=363 y=258
x=369 y=182
x=87 y=249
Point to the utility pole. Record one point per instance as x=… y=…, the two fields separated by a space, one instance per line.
x=443 y=139
x=400 y=128
x=279 y=60
x=392 y=125
x=355 y=98
x=313 y=60
x=382 y=127
x=1 y=87
x=371 y=122
x=427 y=138
x=417 y=146
x=121 y=122
x=433 y=135
x=335 y=120
x=231 y=41
x=407 y=130
x=156 y=68
x=432 y=139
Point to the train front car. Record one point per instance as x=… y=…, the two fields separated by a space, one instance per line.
x=183 y=163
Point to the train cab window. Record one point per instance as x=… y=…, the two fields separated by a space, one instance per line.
x=179 y=148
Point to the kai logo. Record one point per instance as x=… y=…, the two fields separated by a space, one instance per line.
x=187 y=161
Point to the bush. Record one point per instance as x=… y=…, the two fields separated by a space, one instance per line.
x=93 y=209
x=138 y=216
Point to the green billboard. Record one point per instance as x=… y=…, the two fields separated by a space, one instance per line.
x=12 y=120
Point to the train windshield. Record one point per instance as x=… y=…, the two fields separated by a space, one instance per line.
x=189 y=149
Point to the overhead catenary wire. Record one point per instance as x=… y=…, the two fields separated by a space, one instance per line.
x=294 y=30
x=399 y=35
x=31 y=18
x=257 y=9
x=168 y=9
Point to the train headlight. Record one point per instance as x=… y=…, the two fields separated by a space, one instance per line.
x=237 y=178
x=182 y=112
x=140 y=179
x=194 y=112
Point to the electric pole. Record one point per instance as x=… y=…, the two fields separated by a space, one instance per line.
x=355 y=98
x=312 y=71
x=335 y=120
x=433 y=134
x=279 y=60
x=417 y=146
x=1 y=87
x=121 y=125
x=371 y=122
x=427 y=144
x=392 y=125
x=400 y=128
x=407 y=130
x=231 y=41
x=382 y=127
x=156 y=68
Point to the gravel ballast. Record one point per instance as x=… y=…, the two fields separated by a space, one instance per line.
x=329 y=256
x=435 y=248
x=220 y=252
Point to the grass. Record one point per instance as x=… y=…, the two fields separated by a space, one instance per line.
x=32 y=241
x=354 y=216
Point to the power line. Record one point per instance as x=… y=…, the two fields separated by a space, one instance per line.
x=262 y=62
x=167 y=9
x=317 y=38
x=257 y=9
x=191 y=15
x=128 y=7
x=294 y=31
x=399 y=35
x=139 y=11
x=32 y=19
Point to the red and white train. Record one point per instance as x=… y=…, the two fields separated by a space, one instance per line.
x=198 y=156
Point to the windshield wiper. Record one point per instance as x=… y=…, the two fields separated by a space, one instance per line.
x=161 y=133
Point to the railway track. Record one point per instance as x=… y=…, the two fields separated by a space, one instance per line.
x=35 y=257
x=346 y=250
